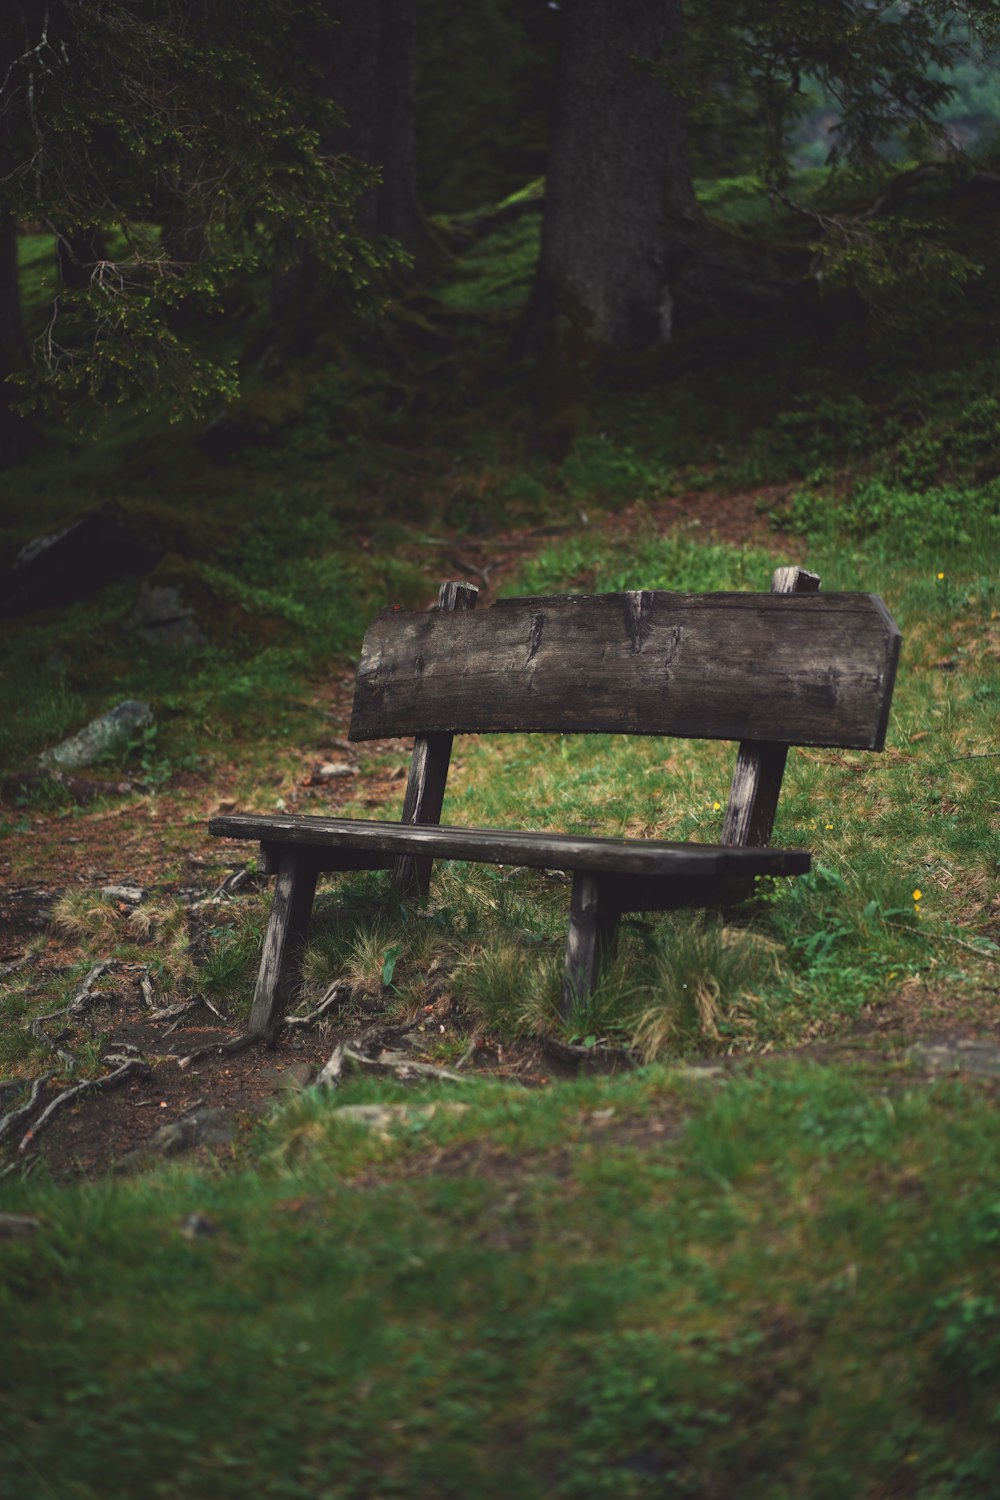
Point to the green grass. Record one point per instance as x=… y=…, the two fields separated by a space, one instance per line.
x=780 y=1285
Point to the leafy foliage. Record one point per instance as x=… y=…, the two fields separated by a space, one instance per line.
x=192 y=140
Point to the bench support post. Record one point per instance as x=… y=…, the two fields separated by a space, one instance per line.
x=286 y=930
x=593 y=926
x=756 y=784
x=425 y=784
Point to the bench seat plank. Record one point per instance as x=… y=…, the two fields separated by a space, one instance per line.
x=349 y=843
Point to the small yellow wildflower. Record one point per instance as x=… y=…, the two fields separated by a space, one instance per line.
x=917 y=895
x=940 y=577
x=829 y=826
x=716 y=806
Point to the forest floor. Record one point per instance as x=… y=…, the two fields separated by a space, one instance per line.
x=197 y=1097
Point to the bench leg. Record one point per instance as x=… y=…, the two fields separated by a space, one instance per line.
x=293 y=899
x=593 y=926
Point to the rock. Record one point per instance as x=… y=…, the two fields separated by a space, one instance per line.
x=163 y=617
x=132 y=895
x=291 y=1080
x=332 y=771
x=53 y=570
x=110 y=732
x=203 y=1127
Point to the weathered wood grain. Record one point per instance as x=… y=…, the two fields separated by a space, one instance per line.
x=357 y=840
x=795 y=669
x=424 y=796
x=756 y=783
x=286 y=929
x=590 y=939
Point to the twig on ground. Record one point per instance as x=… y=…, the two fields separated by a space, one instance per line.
x=133 y=1068
x=84 y=1000
x=146 y=990
x=222 y=1049
x=946 y=937
x=17 y=1115
x=234 y=881
x=977 y=755
x=170 y=1012
x=329 y=1002
x=181 y=1013
x=183 y=1008
x=469 y=1052
x=214 y=900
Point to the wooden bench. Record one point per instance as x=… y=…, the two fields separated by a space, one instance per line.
x=789 y=667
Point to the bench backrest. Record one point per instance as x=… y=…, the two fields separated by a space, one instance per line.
x=792 y=669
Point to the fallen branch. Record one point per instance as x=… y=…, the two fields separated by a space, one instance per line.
x=17 y=1115
x=134 y=1068
x=204 y=1000
x=946 y=937
x=171 y=1012
x=222 y=1049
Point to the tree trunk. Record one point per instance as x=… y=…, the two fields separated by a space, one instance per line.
x=365 y=61
x=397 y=211
x=621 y=219
x=15 y=431
x=368 y=69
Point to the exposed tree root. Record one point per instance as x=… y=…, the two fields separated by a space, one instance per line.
x=344 y=1058
x=17 y=1115
x=133 y=1068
